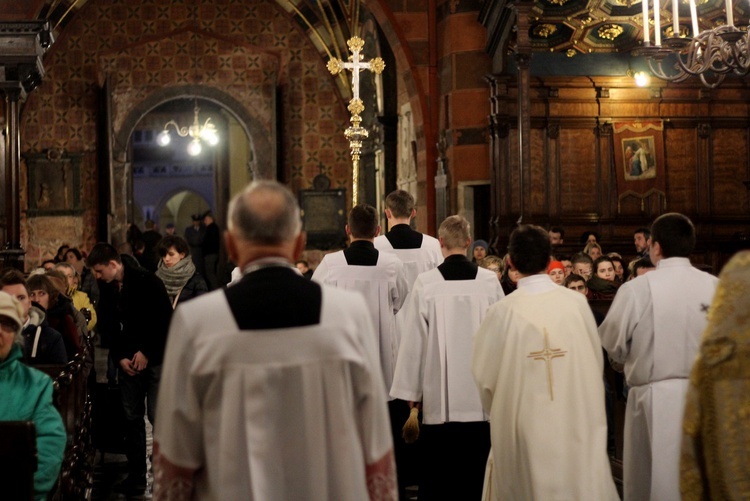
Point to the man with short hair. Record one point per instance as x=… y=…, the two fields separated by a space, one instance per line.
x=537 y=361
x=271 y=387
x=583 y=265
x=445 y=308
x=134 y=313
x=418 y=252
x=642 y=266
x=576 y=283
x=42 y=343
x=654 y=328
x=378 y=276
x=556 y=235
x=641 y=239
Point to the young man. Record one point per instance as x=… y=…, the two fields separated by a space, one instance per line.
x=640 y=239
x=445 y=308
x=654 y=328
x=537 y=361
x=583 y=265
x=556 y=236
x=417 y=251
x=134 y=313
x=378 y=276
x=271 y=387
x=42 y=343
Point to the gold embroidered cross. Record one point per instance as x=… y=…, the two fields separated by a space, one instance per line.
x=547 y=354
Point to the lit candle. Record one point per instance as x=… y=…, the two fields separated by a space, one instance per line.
x=675 y=18
x=730 y=14
x=646 y=34
x=694 y=18
x=657 y=24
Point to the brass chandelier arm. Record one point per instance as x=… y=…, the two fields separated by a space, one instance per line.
x=182 y=131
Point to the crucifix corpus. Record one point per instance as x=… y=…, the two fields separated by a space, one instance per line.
x=354 y=133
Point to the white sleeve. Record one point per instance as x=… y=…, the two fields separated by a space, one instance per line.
x=487 y=348
x=321 y=272
x=402 y=288
x=179 y=411
x=409 y=372
x=617 y=328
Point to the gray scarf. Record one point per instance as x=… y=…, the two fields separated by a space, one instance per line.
x=177 y=276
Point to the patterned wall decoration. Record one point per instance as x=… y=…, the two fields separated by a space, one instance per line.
x=249 y=50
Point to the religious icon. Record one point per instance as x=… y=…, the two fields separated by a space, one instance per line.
x=639 y=161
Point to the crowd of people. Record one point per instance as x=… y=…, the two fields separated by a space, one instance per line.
x=298 y=383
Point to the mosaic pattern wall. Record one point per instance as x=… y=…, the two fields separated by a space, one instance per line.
x=245 y=49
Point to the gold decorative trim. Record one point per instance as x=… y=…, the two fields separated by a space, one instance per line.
x=610 y=31
x=544 y=30
x=547 y=354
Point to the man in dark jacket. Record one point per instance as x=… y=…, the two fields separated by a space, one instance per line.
x=134 y=313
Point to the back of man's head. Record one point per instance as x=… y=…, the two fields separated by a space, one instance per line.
x=529 y=249
x=400 y=203
x=674 y=233
x=12 y=276
x=265 y=213
x=363 y=221
x=455 y=232
x=643 y=263
x=102 y=254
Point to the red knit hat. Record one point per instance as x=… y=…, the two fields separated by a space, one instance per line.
x=555 y=265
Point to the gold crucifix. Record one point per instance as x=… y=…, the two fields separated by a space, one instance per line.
x=354 y=133
x=547 y=354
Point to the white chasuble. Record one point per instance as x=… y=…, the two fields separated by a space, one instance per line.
x=654 y=327
x=384 y=289
x=434 y=359
x=262 y=422
x=537 y=362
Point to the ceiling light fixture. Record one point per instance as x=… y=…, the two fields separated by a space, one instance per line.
x=711 y=54
x=200 y=133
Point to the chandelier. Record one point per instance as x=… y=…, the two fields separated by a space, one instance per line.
x=711 y=54
x=200 y=133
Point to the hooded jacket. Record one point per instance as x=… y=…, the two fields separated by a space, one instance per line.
x=42 y=343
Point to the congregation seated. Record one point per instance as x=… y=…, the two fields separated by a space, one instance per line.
x=59 y=310
x=594 y=250
x=27 y=396
x=602 y=285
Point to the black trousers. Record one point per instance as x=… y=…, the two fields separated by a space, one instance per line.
x=139 y=394
x=453 y=459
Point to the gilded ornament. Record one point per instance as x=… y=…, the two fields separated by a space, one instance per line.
x=670 y=31
x=355 y=44
x=377 y=65
x=544 y=30
x=356 y=106
x=334 y=66
x=571 y=52
x=558 y=2
x=610 y=31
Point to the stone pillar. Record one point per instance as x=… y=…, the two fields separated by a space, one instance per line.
x=523 y=60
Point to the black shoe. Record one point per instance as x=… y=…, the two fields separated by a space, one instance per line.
x=131 y=486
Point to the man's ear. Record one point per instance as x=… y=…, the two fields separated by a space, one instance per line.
x=413 y=213
x=388 y=214
x=377 y=232
x=348 y=231
x=231 y=246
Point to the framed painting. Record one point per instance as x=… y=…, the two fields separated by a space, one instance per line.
x=54 y=183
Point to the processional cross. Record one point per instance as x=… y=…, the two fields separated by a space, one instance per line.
x=354 y=133
x=547 y=354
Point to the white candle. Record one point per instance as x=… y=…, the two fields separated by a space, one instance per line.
x=646 y=34
x=657 y=24
x=730 y=14
x=675 y=18
x=694 y=18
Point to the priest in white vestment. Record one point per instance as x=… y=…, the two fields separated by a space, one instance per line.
x=538 y=362
x=377 y=276
x=654 y=328
x=271 y=388
x=444 y=309
x=418 y=252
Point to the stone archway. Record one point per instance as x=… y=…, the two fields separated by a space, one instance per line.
x=263 y=147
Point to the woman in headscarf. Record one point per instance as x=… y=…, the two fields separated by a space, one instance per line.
x=177 y=270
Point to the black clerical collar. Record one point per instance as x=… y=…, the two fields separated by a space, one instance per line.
x=402 y=236
x=458 y=267
x=362 y=243
x=361 y=253
x=456 y=258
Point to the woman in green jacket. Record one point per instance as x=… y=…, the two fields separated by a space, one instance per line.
x=26 y=395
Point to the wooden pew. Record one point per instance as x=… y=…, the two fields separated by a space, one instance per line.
x=18 y=459
x=72 y=399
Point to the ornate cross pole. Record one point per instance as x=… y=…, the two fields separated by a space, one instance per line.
x=355 y=133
